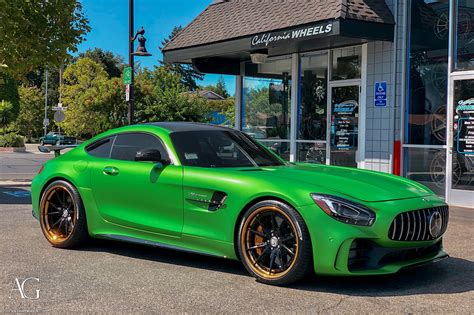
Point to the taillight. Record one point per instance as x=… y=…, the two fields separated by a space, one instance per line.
x=41 y=169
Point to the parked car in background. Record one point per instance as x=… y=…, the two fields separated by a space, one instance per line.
x=57 y=138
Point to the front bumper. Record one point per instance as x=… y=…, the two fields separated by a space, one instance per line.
x=343 y=249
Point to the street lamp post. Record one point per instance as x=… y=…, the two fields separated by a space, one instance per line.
x=141 y=51
x=131 y=61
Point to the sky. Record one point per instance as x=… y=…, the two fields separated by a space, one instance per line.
x=109 y=27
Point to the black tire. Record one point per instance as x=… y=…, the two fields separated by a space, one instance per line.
x=299 y=265
x=57 y=198
x=58 y=142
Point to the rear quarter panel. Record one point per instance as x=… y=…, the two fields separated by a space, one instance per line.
x=71 y=166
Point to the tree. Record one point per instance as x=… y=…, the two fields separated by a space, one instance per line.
x=113 y=64
x=6 y=114
x=188 y=75
x=29 y=122
x=160 y=96
x=219 y=88
x=39 y=33
x=95 y=102
x=9 y=92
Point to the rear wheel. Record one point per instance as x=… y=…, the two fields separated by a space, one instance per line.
x=62 y=215
x=274 y=243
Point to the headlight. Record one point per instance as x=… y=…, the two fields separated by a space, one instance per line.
x=344 y=210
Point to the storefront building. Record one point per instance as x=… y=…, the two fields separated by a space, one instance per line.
x=380 y=85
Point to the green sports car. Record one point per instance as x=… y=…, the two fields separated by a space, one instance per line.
x=216 y=191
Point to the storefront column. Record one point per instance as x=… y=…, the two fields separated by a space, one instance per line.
x=362 y=109
x=238 y=97
x=295 y=91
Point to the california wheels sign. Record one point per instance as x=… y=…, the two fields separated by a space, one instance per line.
x=306 y=32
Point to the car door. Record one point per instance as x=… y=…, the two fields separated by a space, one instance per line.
x=140 y=195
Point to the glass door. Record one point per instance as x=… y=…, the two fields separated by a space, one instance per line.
x=460 y=168
x=344 y=127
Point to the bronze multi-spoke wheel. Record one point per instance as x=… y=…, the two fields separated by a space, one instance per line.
x=274 y=243
x=62 y=215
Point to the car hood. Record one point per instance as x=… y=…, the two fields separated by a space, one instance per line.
x=364 y=185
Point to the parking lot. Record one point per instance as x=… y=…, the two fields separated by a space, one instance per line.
x=108 y=276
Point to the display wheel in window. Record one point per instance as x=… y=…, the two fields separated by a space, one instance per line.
x=438 y=123
x=461 y=170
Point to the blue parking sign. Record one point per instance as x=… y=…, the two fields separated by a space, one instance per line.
x=380 y=94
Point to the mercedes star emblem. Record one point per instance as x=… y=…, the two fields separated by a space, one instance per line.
x=436 y=224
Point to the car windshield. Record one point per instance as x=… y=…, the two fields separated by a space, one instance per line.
x=221 y=148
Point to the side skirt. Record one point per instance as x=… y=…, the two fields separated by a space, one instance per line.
x=153 y=244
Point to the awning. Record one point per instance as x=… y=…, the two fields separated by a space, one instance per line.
x=228 y=31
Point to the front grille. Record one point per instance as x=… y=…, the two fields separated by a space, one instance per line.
x=414 y=225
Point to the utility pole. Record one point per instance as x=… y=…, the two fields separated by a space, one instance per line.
x=45 y=120
x=131 y=61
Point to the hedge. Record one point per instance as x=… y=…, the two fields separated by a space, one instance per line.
x=12 y=140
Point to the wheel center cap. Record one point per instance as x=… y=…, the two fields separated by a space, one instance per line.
x=65 y=213
x=274 y=241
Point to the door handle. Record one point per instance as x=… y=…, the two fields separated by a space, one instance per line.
x=110 y=170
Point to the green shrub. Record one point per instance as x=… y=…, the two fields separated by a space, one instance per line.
x=11 y=140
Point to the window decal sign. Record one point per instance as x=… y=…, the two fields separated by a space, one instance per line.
x=344 y=125
x=270 y=39
x=464 y=127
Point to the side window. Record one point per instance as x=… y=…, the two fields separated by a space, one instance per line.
x=127 y=145
x=101 y=148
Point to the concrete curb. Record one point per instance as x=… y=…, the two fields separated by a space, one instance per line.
x=13 y=149
x=15 y=182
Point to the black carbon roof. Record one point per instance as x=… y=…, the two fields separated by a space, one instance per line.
x=186 y=126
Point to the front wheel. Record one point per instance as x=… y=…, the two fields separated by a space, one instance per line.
x=274 y=243
x=62 y=215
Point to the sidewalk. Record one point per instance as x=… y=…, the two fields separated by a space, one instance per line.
x=33 y=148
x=15 y=182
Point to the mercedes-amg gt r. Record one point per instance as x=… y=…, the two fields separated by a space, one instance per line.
x=216 y=191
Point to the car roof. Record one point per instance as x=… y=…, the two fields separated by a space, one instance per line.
x=186 y=126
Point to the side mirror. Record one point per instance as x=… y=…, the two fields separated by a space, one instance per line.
x=149 y=155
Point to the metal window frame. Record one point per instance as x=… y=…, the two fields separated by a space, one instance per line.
x=454 y=196
x=362 y=84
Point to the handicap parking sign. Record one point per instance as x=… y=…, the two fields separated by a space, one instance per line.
x=380 y=94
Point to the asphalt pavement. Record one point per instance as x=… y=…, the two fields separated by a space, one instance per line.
x=22 y=166
x=108 y=276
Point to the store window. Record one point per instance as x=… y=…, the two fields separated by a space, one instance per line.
x=426 y=110
x=428 y=167
x=464 y=37
x=267 y=104
x=346 y=63
x=312 y=118
x=428 y=80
